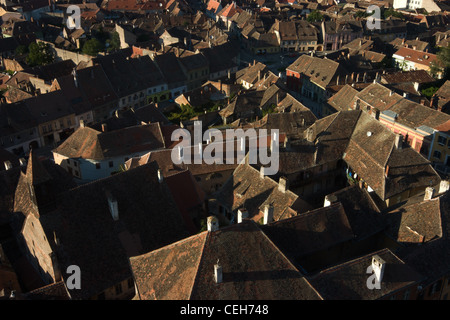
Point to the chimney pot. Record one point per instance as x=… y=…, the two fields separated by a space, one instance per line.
x=268 y=214
x=378 y=266
x=444 y=186
x=104 y=127
x=113 y=206
x=212 y=223
x=218 y=275
x=8 y=165
x=283 y=184
x=242 y=214
x=429 y=193
x=329 y=200
x=399 y=141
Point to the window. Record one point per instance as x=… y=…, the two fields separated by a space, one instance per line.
x=442 y=140
x=97 y=165
x=130 y=283
x=406 y=295
x=437 y=154
x=118 y=288
x=111 y=164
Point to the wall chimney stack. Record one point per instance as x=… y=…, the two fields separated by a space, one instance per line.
x=242 y=214
x=212 y=223
x=429 y=193
x=268 y=214
x=218 y=274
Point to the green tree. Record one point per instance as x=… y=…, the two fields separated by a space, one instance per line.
x=443 y=62
x=113 y=43
x=22 y=49
x=315 y=16
x=392 y=12
x=92 y=47
x=39 y=54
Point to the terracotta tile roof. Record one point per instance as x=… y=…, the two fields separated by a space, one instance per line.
x=432 y=257
x=415 y=56
x=247 y=189
x=416 y=223
x=420 y=76
x=319 y=71
x=54 y=291
x=310 y=232
x=362 y=212
x=348 y=280
x=253 y=268
x=148 y=219
x=88 y=143
x=187 y=195
x=343 y=99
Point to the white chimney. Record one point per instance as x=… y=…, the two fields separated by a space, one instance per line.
x=160 y=176
x=212 y=223
x=398 y=141
x=218 y=275
x=268 y=214
x=329 y=199
x=429 y=193
x=242 y=214
x=262 y=172
x=378 y=266
x=444 y=186
x=8 y=165
x=23 y=162
x=283 y=184
x=113 y=206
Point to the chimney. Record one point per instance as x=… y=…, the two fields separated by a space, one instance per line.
x=160 y=176
x=309 y=134
x=104 y=127
x=23 y=162
x=376 y=114
x=82 y=125
x=287 y=143
x=8 y=165
x=113 y=206
x=212 y=223
x=329 y=200
x=398 y=141
x=378 y=266
x=444 y=186
x=262 y=172
x=283 y=184
x=268 y=214
x=218 y=272
x=242 y=214
x=429 y=193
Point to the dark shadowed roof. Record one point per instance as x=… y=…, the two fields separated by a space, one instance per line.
x=348 y=281
x=91 y=239
x=311 y=231
x=253 y=268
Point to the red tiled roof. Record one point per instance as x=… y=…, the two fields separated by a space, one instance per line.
x=415 y=56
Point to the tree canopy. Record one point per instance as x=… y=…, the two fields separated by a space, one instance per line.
x=39 y=54
x=92 y=47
